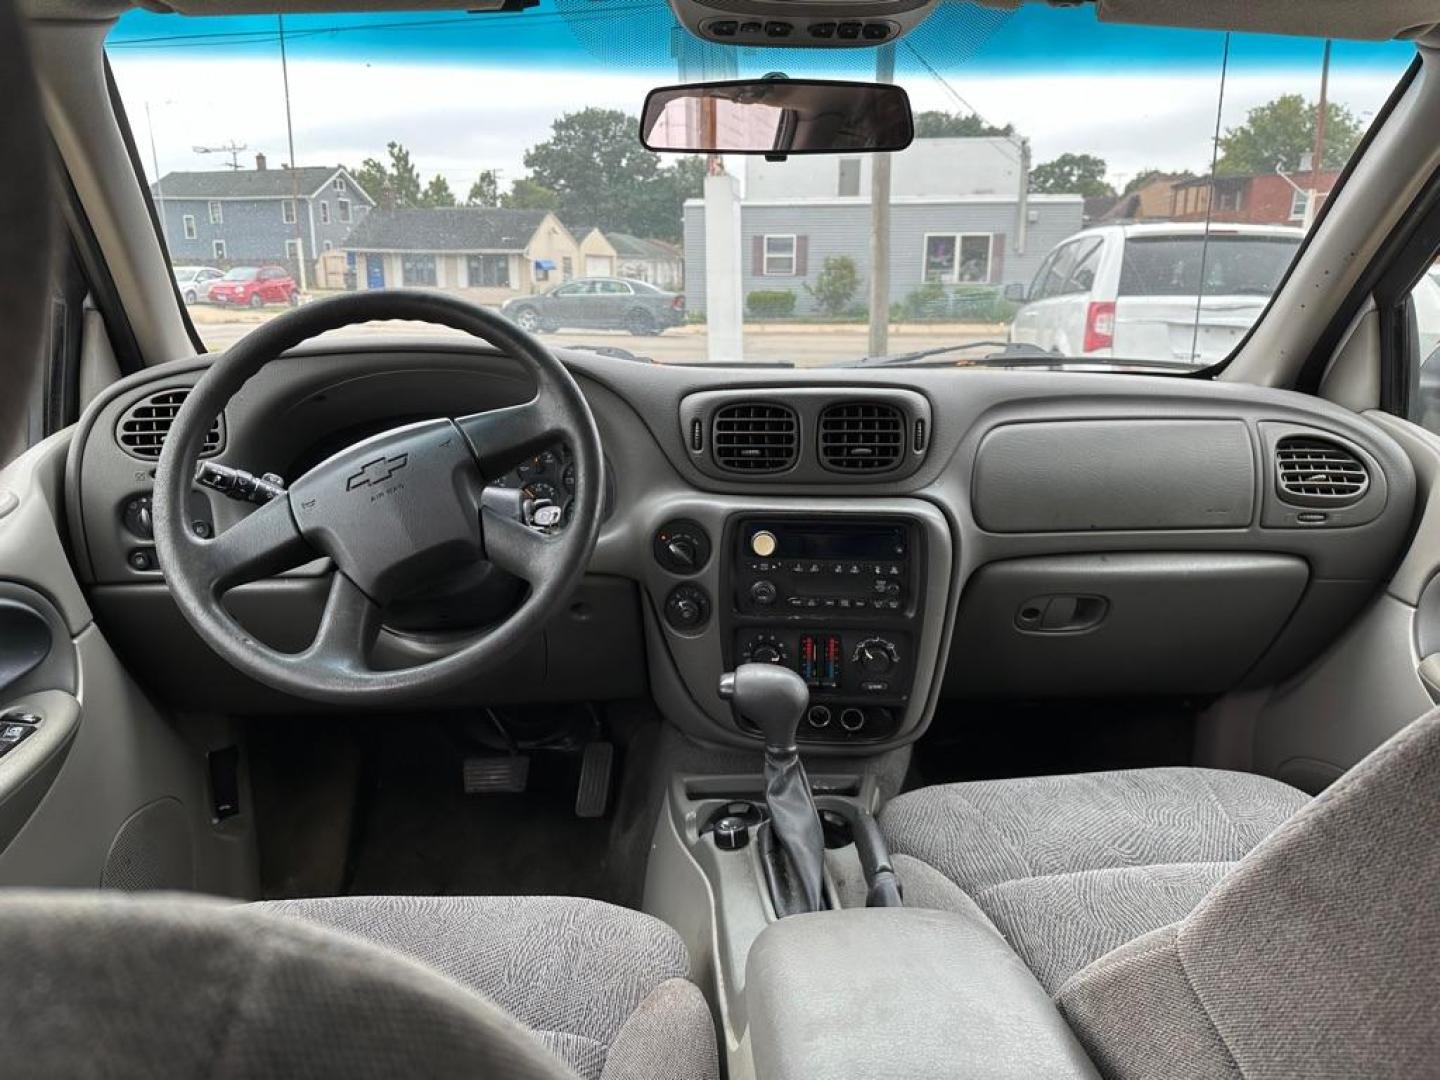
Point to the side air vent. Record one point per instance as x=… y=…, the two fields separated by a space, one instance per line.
x=143 y=427
x=755 y=437
x=862 y=436
x=1318 y=472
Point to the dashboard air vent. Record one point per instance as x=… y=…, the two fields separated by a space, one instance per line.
x=863 y=436
x=1318 y=472
x=143 y=427
x=755 y=437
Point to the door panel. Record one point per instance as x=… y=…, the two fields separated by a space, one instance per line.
x=103 y=789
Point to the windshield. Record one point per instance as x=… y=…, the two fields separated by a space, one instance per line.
x=1077 y=190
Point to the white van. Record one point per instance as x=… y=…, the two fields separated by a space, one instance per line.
x=1132 y=292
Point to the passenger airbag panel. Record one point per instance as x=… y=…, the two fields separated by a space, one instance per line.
x=1085 y=475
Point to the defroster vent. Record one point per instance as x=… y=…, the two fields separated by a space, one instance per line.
x=755 y=437
x=1318 y=472
x=862 y=436
x=144 y=425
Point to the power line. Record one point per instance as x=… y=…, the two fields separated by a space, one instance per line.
x=963 y=103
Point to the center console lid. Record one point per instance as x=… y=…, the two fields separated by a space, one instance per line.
x=881 y=993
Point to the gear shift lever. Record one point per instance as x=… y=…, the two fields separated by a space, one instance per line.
x=774 y=699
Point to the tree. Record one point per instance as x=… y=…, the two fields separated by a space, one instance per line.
x=1282 y=131
x=1071 y=174
x=437 y=192
x=600 y=173
x=836 y=284
x=485 y=191
x=935 y=124
x=525 y=194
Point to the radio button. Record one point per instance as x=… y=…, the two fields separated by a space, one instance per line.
x=763 y=592
x=763 y=543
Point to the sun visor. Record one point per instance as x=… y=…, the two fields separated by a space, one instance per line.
x=1364 y=20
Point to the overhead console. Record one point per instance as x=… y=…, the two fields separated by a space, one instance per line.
x=801 y=23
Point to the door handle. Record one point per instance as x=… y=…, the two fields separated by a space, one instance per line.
x=1065 y=613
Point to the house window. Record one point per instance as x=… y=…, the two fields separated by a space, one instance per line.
x=327 y=246
x=488 y=271
x=324 y=212
x=567 y=268
x=849 y=177
x=339 y=185
x=779 y=256
x=217 y=212
x=188 y=221
x=292 y=250
x=343 y=206
x=1229 y=199
x=957 y=257
x=1299 y=202
x=287 y=211
x=218 y=249
x=417 y=269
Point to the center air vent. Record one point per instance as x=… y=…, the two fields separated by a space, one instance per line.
x=1318 y=472
x=756 y=437
x=143 y=427
x=863 y=436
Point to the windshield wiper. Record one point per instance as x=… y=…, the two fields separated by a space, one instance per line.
x=615 y=352
x=1008 y=350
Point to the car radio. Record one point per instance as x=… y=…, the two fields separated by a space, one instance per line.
x=835 y=600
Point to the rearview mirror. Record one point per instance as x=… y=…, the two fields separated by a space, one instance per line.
x=777 y=117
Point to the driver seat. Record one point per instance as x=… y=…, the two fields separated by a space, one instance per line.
x=179 y=986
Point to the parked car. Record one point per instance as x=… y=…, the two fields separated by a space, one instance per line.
x=1133 y=291
x=194 y=282
x=600 y=303
x=255 y=286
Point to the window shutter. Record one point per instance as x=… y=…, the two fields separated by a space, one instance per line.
x=757 y=256
x=997 y=258
x=802 y=255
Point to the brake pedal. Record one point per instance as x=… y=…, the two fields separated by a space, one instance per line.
x=596 y=769
x=506 y=775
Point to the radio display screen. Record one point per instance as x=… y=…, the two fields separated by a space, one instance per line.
x=824 y=540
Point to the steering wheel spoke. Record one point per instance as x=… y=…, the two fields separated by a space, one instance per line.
x=503 y=438
x=348 y=628
x=530 y=554
x=264 y=542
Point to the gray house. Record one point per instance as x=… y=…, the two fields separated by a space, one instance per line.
x=229 y=216
x=940 y=240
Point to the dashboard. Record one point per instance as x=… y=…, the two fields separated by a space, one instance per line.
x=897 y=537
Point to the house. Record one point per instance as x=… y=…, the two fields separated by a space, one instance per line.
x=1151 y=201
x=490 y=254
x=655 y=261
x=955 y=220
x=228 y=217
x=597 y=254
x=1255 y=199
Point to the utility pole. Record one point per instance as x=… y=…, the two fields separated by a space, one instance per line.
x=879 y=343
x=294 y=175
x=1317 y=155
x=159 y=184
x=1022 y=202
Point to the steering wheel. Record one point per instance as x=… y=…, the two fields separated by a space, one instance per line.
x=393 y=512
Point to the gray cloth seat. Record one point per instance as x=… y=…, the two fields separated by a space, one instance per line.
x=604 y=988
x=1071 y=867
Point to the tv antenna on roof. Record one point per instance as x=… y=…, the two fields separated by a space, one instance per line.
x=232 y=148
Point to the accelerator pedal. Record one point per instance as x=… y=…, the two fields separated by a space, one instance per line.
x=597 y=768
x=505 y=775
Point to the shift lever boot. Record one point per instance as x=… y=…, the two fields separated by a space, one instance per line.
x=774 y=699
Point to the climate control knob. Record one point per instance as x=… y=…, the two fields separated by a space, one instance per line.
x=765 y=649
x=876 y=656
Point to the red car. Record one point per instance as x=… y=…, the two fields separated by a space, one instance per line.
x=255 y=286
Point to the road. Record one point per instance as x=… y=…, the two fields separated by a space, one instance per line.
x=804 y=345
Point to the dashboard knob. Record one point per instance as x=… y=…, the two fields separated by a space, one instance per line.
x=763 y=592
x=765 y=654
x=876 y=656
x=687 y=612
x=682 y=552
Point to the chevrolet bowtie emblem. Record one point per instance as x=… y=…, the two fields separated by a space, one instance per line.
x=377 y=471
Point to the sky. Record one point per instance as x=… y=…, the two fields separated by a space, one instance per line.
x=470 y=92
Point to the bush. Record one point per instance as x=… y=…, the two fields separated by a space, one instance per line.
x=835 y=285
x=928 y=303
x=770 y=303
